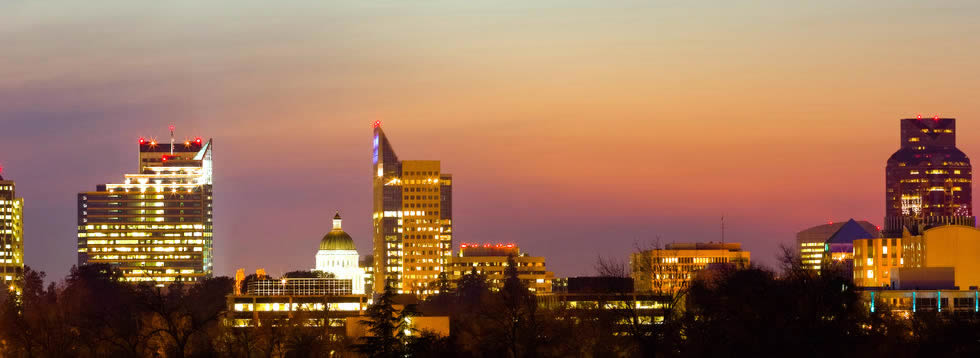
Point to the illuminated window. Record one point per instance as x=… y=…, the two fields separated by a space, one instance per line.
x=871 y=274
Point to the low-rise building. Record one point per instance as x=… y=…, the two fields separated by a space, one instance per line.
x=947 y=246
x=491 y=260
x=670 y=269
x=811 y=244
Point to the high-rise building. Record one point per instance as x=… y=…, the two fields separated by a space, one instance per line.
x=156 y=225
x=491 y=260
x=928 y=180
x=11 y=233
x=671 y=269
x=412 y=220
x=812 y=244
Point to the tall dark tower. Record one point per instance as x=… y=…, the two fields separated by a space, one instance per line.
x=928 y=180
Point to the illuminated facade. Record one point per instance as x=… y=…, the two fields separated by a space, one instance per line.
x=874 y=260
x=671 y=269
x=412 y=220
x=906 y=302
x=491 y=260
x=156 y=225
x=11 y=233
x=811 y=244
x=338 y=255
x=928 y=180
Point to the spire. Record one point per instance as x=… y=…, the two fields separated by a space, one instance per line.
x=336 y=221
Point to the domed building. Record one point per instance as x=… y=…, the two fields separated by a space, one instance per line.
x=338 y=255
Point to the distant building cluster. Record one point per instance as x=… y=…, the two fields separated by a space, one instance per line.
x=155 y=226
x=927 y=256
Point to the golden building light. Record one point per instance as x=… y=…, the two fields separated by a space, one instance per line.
x=156 y=225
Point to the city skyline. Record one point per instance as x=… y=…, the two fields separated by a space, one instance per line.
x=786 y=133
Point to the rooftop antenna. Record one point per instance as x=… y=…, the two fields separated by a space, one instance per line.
x=722 y=228
x=171 y=139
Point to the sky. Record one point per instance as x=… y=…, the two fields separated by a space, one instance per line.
x=572 y=128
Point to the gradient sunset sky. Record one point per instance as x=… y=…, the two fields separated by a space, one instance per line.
x=572 y=128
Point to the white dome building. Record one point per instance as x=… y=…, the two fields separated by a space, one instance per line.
x=338 y=255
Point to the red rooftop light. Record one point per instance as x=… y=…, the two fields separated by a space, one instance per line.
x=936 y=118
x=377 y=124
x=142 y=140
x=172 y=127
x=197 y=140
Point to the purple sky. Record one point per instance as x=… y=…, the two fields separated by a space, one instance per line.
x=572 y=128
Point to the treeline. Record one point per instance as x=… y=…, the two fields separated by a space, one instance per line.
x=752 y=312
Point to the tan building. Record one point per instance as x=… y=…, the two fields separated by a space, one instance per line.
x=953 y=246
x=670 y=269
x=11 y=233
x=412 y=219
x=874 y=260
x=491 y=260
x=155 y=225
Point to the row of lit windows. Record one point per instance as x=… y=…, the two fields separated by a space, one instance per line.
x=142 y=227
x=138 y=257
x=143 y=234
x=287 y=307
x=143 y=242
x=145 y=249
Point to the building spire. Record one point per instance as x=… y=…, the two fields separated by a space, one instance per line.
x=171 y=139
x=336 y=221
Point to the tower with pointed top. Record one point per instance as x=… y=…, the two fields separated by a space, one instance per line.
x=11 y=233
x=413 y=228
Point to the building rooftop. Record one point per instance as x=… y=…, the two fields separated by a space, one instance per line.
x=730 y=246
x=849 y=232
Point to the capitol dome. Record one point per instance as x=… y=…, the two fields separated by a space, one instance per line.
x=337 y=239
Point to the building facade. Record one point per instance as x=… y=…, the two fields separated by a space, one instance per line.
x=412 y=220
x=491 y=260
x=11 y=233
x=874 y=260
x=928 y=181
x=811 y=243
x=156 y=225
x=671 y=269
x=338 y=256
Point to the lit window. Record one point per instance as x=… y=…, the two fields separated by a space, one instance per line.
x=884 y=250
x=871 y=274
x=870 y=261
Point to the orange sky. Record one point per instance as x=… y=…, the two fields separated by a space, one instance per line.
x=573 y=128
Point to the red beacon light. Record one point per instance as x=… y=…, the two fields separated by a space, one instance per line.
x=936 y=118
x=142 y=140
x=376 y=124
x=197 y=140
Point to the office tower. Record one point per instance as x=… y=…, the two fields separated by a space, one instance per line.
x=412 y=220
x=11 y=233
x=156 y=225
x=928 y=180
x=338 y=256
x=491 y=260
x=671 y=269
x=812 y=244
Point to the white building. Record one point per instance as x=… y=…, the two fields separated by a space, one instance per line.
x=338 y=255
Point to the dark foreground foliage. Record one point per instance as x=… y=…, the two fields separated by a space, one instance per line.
x=728 y=313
